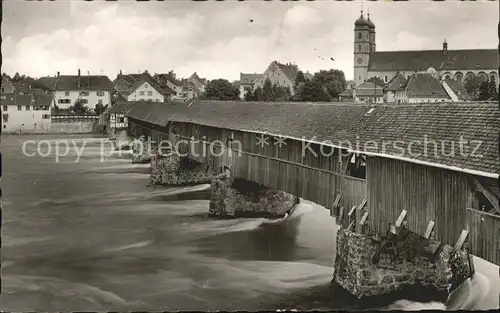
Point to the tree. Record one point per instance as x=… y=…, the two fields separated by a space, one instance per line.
x=333 y=80
x=300 y=78
x=268 y=91
x=16 y=77
x=79 y=107
x=249 y=96
x=281 y=93
x=99 y=108
x=492 y=88
x=221 y=89
x=472 y=85
x=314 y=91
x=377 y=81
x=258 y=94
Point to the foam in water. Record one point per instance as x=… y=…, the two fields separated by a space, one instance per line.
x=406 y=305
x=297 y=211
x=58 y=287
x=248 y=224
x=135 y=245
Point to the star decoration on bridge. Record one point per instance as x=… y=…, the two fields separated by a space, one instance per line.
x=279 y=141
x=262 y=141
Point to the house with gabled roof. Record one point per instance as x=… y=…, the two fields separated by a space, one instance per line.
x=142 y=87
x=283 y=75
x=199 y=83
x=368 y=92
x=89 y=90
x=26 y=113
x=247 y=81
x=170 y=80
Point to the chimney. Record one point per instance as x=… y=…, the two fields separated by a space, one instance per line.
x=58 y=74
x=79 y=83
x=445 y=46
x=121 y=72
x=146 y=71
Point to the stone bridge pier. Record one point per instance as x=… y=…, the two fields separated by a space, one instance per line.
x=142 y=150
x=236 y=197
x=170 y=168
x=402 y=263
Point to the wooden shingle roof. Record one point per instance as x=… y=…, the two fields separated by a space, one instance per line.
x=347 y=125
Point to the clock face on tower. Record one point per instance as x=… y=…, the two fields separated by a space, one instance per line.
x=360 y=60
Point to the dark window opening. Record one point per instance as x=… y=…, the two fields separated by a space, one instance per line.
x=357 y=167
x=482 y=203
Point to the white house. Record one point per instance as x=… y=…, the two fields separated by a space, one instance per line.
x=247 y=81
x=86 y=89
x=142 y=87
x=26 y=113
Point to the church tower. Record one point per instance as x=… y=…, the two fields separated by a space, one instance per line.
x=362 y=49
x=372 y=34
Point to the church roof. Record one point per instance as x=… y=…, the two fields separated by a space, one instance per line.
x=370 y=23
x=420 y=60
x=361 y=21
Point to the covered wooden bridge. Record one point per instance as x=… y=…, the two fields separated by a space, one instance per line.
x=433 y=165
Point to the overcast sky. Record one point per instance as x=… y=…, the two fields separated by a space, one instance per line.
x=219 y=39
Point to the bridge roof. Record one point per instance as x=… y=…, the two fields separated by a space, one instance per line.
x=429 y=134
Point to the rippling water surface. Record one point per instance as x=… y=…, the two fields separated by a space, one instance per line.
x=92 y=235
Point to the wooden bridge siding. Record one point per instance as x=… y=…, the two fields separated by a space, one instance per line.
x=426 y=193
x=484 y=238
x=309 y=183
x=312 y=184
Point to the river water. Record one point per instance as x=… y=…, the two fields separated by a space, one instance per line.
x=92 y=235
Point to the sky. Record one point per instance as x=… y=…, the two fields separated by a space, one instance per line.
x=223 y=39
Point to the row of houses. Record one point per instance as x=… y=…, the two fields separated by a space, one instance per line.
x=417 y=87
x=27 y=105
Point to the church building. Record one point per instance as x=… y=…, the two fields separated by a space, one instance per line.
x=449 y=64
